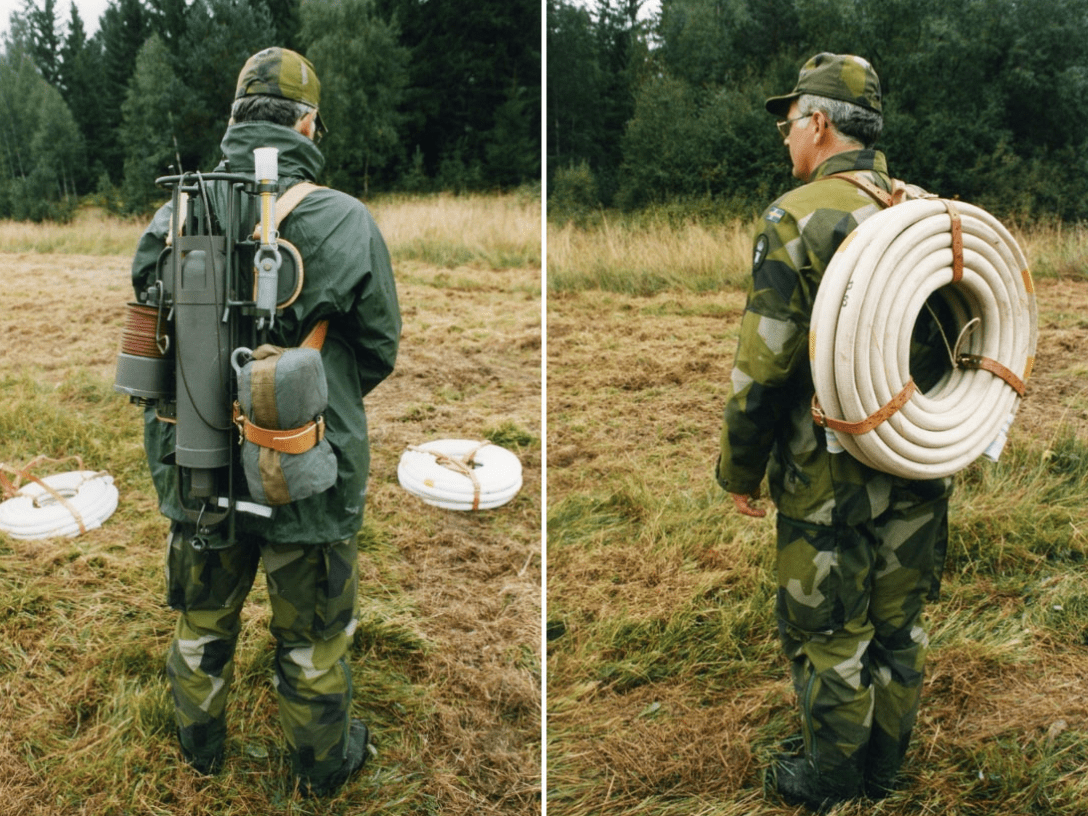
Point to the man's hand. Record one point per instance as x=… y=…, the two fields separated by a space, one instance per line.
x=745 y=506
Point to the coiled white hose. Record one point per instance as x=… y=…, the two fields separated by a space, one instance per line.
x=859 y=341
x=439 y=473
x=89 y=499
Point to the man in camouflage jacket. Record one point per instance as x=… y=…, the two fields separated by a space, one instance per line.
x=309 y=548
x=858 y=551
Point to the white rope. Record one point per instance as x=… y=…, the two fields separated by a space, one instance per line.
x=460 y=474
x=859 y=342
x=89 y=499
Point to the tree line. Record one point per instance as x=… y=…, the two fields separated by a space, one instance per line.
x=986 y=100
x=418 y=96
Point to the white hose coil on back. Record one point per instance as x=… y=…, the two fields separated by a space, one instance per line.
x=859 y=341
x=497 y=472
x=34 y=513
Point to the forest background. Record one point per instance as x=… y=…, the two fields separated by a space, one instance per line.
x=983 y=99
x=418 y=97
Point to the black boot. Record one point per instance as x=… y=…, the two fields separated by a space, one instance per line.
x=358 y=752
x=882 y=763
x=202 y=746
x=799 y=783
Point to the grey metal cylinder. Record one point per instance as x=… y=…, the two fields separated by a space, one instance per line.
x=202 y=358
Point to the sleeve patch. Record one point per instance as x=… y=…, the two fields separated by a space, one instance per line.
x=774 y=214
x=760 y=252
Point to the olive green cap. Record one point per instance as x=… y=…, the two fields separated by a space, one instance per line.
x=281 y=72
x=834 y=76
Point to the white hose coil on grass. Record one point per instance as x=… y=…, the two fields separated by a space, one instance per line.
x=437 y=473
x=89 y=499
x=859 y=341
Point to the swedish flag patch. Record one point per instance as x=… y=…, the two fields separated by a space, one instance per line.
x=774 y=214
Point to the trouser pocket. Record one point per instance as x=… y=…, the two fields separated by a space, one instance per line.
x=313 y=589
x=823 y=576
x=202 y=574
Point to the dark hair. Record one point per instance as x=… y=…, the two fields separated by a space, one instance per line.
x=274 y=109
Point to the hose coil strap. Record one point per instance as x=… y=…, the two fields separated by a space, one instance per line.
x=460 y=474
x=863 y=319
x=463 y=464
x=865 y=425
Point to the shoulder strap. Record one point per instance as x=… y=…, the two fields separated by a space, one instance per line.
x=316 y=338
x=883 y=197
x=288 y=201
x=178 y=218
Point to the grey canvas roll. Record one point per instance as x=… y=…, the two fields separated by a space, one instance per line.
x=282 y=389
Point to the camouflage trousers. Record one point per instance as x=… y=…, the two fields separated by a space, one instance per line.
x=313 y=594
x=849 y=611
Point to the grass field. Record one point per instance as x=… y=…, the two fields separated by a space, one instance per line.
x=446 y=659
x=667 y=691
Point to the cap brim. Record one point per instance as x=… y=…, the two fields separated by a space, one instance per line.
x=780 y=105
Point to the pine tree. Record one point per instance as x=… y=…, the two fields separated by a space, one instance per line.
x=363 y=73
x=45 y=38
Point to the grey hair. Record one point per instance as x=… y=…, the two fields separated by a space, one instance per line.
x=264 y=108
x=853 y=122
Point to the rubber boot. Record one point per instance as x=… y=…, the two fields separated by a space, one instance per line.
x=882 y=763
x=357 y=754
x=799 y=783
x=202 y=746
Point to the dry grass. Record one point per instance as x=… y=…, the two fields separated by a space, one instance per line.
x=494 y=231
x=446 y=658
x=667 y=691
x=91 y=232
x=445 y=230
x=641 y=257
x=642 y=254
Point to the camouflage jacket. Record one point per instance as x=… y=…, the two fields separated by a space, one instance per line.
x=768 y=426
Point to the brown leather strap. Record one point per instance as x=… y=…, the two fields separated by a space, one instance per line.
x=883 y=197
x=295 y=440
x=287 y=202
x=316 y=338
x=871 y=421
x=10 y=488
x=977 y=361
x=957 y=240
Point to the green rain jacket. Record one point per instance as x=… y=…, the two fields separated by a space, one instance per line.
x=349 y=281
x=768 y=427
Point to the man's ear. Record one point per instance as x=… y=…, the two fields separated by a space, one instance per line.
x=307 y=125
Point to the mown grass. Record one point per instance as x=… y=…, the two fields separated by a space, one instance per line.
x=445 y=659
x=648 y=252
x=667 y=690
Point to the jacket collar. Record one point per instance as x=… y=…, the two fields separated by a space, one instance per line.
x=299 y=157
x=852 y=160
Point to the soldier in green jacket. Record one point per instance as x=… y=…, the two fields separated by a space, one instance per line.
x=309 y=547
x=858 y=551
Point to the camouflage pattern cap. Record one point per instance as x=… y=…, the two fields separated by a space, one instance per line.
x=835 y=76
x=280 y=72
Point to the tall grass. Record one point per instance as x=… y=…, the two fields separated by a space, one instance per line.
x=647 y=255
x=643 y=254
x=492 y=231
x=499 y=232
x=92 y=232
